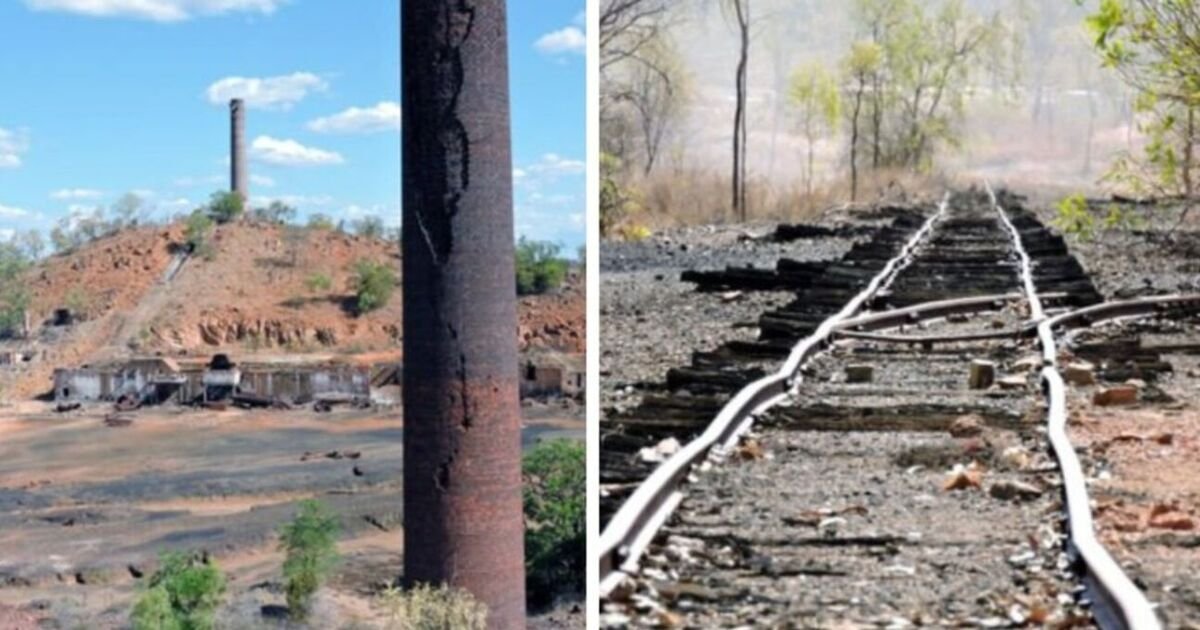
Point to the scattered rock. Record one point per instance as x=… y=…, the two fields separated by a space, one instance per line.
x=1167 y=517
x=1013 y=382
x=1116 y=395
x=1080 y=373
x=966 y=426
x=660 y=452
x=1007 y=490
x=731 y=296
x=982 y=375
x=750 y=450
x=964 y=478
x=1027 y=364
x=1136 y=383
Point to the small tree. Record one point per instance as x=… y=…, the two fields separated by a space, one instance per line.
x=195 y=233
x=373 y=285
x=539 y=267
x=555 y=527
x=33 y=244
x=310 y=542
x=369 y=226
x=184 y=593
x=814 y=93
x=128 y=211
x=320 y=222
x=225 y=206
x=277 y=212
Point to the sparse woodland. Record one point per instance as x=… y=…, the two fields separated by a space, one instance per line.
x=729 y=110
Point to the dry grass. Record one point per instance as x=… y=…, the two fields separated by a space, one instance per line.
x=681 y=197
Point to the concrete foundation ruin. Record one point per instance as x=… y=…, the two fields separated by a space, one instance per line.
x=159 y=380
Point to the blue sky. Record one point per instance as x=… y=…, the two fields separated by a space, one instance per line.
x=104 y=97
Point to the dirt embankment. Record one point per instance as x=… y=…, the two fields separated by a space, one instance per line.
x=263 y=288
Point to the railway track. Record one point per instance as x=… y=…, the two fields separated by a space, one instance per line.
x=868 y=526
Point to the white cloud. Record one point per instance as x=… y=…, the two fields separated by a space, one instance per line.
x=554 y=164
x=291 y=153
x=519 y=174
x=569 y=39
x=262 y=180
x=384 y=116
x=7 y=234
x=155 y=10
x=76 y=193
x=9 y=212
x=12 y=145
x=273 y=93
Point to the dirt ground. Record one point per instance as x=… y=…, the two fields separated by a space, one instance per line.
x=85 y=508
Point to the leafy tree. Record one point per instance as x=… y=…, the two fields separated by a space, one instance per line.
x=616 y=201
x=861 y=66
x=930 y=54
x=225 y=206
x=738 y=11
x=369 y=226
x=539 y=267
x=555 y=525
x=196 y=231
x=127 y=210
x=310 y=542
x=14 y=297
x=813 y=91
x=320 y=222
x=276 y=212
x=60 y=239
x=33 y=244
x=183 y=594
x=1154 y=45
x=373 y=284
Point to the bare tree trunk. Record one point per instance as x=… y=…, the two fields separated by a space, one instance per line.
x=742 y=12
x=854 y=141
x=463 y=520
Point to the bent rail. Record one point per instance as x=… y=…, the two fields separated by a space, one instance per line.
x=634 y=525
x=1117 y=601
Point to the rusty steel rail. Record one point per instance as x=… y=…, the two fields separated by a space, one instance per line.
x=1117 y=601
x=635 y=524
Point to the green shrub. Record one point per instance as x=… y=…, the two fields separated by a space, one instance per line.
x=539 y=267
x=320 y=222
x=429 y=608
x=555 y=530
x=196 y=231
x=225 y=206
x=310 y=541
x=1075 y=219
x=183 y=594
x=369 y=226
x=373 y=285
x=318 y=282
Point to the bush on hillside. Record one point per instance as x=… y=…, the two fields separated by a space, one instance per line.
x=555 y=531
x=373 y=285
x=539 y=267
x=225 y=206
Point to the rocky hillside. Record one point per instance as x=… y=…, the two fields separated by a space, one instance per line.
x=262 y=289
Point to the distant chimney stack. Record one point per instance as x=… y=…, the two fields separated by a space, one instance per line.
x=237 y=150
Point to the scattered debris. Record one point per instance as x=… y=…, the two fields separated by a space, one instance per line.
x=964 y=477
x=1080 y=373
x=1013 y=382
x=660 y=452
x=1116 y=395
x=1008 y=490
x=966 y=426
x=750 y=450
